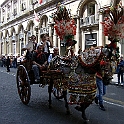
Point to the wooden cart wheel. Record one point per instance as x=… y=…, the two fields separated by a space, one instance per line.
x=58 y=93
x=23 y=84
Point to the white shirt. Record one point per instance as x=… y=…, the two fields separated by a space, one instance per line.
x=45 y=46
x=50 y=58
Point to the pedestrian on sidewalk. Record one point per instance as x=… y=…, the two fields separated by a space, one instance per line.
x=8 y=64
x=120 y=71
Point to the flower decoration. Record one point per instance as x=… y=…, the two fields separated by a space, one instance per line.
x=64 y=25
x=113 y=26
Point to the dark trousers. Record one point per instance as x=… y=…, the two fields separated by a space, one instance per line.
x=120 y=75
x=8 y=68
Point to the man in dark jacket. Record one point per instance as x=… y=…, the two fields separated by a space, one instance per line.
x=8 y=64
x=39 y=62
x=120 y=71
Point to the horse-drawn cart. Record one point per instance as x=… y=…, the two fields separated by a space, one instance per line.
x=74 y=76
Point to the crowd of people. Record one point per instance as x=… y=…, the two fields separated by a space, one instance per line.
x=8 y=62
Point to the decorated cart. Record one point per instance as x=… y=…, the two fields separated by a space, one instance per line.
x=71 y=75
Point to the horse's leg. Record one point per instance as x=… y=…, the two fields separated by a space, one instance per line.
x=66 y=103
x=82 y=108
x=50 y=87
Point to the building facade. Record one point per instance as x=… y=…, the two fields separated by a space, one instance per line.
x=18 y=24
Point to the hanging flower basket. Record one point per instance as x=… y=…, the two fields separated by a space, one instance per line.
x=65 y=26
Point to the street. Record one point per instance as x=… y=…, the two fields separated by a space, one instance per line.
x=13 y=111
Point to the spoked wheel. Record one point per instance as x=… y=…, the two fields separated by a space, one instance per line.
x=23 y=84
x=58 y=93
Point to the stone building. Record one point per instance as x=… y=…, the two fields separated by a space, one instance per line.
x=17 y=23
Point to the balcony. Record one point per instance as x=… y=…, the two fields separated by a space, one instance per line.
x=89 y=20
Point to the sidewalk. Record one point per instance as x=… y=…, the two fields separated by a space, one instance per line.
x=115 y=79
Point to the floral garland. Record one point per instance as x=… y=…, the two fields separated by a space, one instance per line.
x=64 y=25
x=113 y=26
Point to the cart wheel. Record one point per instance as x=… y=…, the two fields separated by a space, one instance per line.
x=23 y=84
x=58 y=93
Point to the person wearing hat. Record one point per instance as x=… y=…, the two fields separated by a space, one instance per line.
x=120 y=71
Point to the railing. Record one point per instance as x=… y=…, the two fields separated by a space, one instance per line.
x=89 y=20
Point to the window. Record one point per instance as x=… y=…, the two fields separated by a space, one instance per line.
x=91 y=9
x=15 y=7
x=23 y=6
x=8 y=16
x=3 y=15
x=15 y=12
x=3 y=19
x=8 y=11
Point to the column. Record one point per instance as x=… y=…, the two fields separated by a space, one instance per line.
x=18 y=45
x=54 y=38
x=12 y=8
x=18 y=7
x=50 y=32
x=11 y=43
x=1 y=14
x=25 y=37
x=5 y=52
x=77 y=35
x=0 y=46
x=83 y=40
x=6 y=11
x=100 y=41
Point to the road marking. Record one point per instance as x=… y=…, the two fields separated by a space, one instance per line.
x=114 y=102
